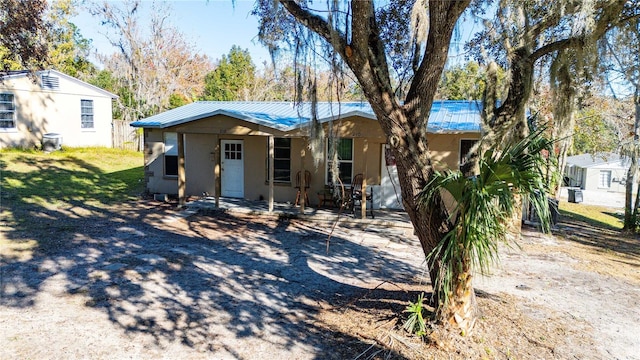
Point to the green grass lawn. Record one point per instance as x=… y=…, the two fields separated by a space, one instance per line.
x=100 y=177
x=598 y=216
x=97 y=176
x=45 y=198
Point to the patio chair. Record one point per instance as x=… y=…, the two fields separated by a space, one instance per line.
x=307 y=184
x=356 y=194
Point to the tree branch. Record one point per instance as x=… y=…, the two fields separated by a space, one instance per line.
x=361 y=26
x=555 y=46
x=604 y=24
x=427 y=77
x=316 y=24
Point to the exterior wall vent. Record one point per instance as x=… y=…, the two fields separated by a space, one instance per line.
x=50 y=82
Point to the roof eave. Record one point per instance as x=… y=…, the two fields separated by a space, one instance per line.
x=333 y=118
x=231 y=114
x=84 y=83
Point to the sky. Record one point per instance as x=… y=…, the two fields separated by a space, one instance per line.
x=216 y=25
x=213 y=26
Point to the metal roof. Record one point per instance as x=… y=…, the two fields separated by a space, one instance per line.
x=455 y=116
x=446 y=116
x=591 y=160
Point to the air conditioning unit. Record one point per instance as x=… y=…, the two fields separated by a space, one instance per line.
x=51 y=142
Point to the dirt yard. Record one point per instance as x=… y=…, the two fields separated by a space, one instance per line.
x=137 y=281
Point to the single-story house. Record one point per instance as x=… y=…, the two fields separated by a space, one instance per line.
x=223 y=148
x=601 y=171
x=53 y=105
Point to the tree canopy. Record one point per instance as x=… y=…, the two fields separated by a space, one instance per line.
x=68 y=49
x=232 y=78
x=150 y=68
x=622 y=68
x=23 y=34
x=466 y=82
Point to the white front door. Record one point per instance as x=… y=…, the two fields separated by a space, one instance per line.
x=232 y=177
x=391 y=196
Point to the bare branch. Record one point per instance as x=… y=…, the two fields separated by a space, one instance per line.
x=315 y=23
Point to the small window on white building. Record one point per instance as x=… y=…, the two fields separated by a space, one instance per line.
x=171 y=154
x=7 y=112
x=604 y=180
x=86 y=114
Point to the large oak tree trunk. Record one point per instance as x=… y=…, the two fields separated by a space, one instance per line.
x=405 y=124
x=406 y=128
x=629 y=221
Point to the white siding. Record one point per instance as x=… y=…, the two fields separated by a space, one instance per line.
x=41 y=111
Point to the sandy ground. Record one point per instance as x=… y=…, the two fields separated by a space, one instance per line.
x=546 y=272
x=138 y=283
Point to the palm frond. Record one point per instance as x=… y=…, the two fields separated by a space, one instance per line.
x=484 y=205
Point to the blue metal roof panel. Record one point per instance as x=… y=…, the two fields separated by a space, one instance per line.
x=280 y=122
x=458 y=116
x=446 y=116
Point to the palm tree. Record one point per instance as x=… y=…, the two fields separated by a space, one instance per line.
x=484 y=205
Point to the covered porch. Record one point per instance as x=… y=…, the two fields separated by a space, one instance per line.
x=383 y=217
x=255 y=151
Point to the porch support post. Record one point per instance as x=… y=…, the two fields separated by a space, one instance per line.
x=216 y=169
x=182 y=179
x=303 y=185
x=271 y=171
x=363 y=201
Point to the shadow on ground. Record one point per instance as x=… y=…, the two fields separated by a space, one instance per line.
x=215 y=283
x=602 y=236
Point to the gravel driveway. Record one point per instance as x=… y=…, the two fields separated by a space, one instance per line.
x=140 y=284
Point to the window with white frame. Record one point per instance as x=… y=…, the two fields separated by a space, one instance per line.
x=344 y=152
x=171 y=154
x=86 y=114
x=281 y=160
x=7 y=111
x=604 y=180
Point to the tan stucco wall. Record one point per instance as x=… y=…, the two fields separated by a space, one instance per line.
x=446 y=148
x=41 y=111
x=367 y=139
x=154 y=164
x=200 y=161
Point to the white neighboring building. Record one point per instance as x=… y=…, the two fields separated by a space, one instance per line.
x=602 y=172
x=77 y=113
